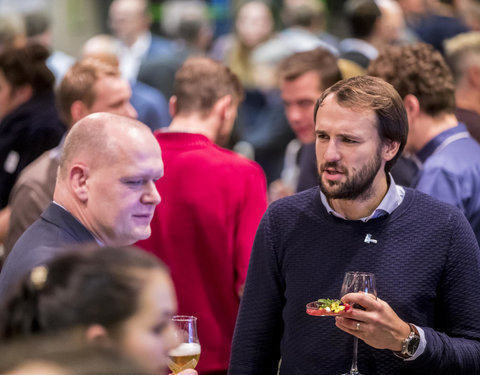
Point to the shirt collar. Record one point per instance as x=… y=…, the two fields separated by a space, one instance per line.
x=139 y=48
x=442 y=140
x=100 y=243
x=389 y=203
x=358 y=45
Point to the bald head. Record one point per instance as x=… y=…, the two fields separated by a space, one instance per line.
x=99 y=137
x=101 y=45
x=107 y=176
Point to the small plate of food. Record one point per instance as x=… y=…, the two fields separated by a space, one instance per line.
x=327 y=307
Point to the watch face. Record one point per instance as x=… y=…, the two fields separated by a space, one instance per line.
x=413 y=345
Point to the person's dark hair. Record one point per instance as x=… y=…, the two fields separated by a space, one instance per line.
x=420 y=70
x=361 y=16
x=27 y=66
x=318 y=60
x=36 y=23
x=201 y=82
x=88 y=285
x=366 y=93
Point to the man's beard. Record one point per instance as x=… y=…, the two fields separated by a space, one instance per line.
x=356 y=186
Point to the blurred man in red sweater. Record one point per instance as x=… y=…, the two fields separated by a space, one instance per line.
x=212 y=202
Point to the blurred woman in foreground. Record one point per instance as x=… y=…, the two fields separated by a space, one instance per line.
x=116 y=296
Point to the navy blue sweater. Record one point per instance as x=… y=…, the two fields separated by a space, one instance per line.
x=427 y=265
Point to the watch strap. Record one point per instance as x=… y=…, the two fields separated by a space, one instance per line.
x=413 y=335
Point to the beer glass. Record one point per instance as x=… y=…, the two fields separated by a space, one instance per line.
x=187 y=353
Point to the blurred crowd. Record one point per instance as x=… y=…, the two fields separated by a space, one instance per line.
x=262 y=33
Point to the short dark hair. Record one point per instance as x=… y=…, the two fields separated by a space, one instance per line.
x=318 y=60
x=36 y=23
x=361 y=16
x=201 y=82
x=87 y=285
x=418 y=69
x=372 y=93
x=27 y=66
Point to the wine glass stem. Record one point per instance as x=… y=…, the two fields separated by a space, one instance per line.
x=354 y=369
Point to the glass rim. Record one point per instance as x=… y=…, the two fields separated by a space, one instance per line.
x=184 y=318
x=360 y=273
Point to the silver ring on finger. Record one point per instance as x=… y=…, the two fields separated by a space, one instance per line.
x=358 y=326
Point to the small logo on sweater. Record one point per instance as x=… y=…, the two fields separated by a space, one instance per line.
x=369 y=239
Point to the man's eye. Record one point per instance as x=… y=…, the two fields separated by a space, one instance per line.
x=306 y=103
x=322 y=136
x=134 y=182
x=348 y=140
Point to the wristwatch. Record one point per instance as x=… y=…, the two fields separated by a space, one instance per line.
x=410 y=344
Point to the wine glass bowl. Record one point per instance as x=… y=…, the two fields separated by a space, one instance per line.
x=355 y=282
x=187 y=353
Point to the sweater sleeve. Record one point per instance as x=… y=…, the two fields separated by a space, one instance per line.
x=259 y=327
x=455 y=346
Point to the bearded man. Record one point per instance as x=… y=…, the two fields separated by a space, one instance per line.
x=423 y=252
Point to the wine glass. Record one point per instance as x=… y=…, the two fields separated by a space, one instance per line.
x=355 y=282
x=187 y=353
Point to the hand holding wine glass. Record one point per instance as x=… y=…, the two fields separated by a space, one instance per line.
x=355 y=282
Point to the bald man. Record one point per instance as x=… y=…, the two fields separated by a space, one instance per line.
x=105 y=192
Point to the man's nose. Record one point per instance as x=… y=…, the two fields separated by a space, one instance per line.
x=151 y=195
x=293 y=114
x=331 y=152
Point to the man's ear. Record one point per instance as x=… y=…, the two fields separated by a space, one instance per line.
x=172 y=106
x=78 y=177
x=390 y=149
x=222 y=107
x=474 y=75
x=22 y=94
x=412 y=105
x=97 y=333
x=78 y=110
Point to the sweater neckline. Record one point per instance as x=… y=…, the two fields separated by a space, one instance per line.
x=183 y=139
x=320 y=208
